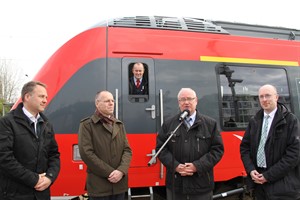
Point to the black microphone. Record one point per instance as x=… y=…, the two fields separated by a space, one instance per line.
x=184 y=114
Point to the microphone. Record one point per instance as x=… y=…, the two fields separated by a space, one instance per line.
x=184 y=114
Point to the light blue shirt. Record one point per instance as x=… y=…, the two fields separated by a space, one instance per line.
x=191 y=118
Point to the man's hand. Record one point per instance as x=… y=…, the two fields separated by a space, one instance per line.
x=257 y=177
x=186 y=169
x=43 y=182
x=115 y=176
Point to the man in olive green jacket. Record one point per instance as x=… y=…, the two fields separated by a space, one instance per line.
x=105 y=150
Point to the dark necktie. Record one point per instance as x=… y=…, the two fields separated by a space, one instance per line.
x=138 y=83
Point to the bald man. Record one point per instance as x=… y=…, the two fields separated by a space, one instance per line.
x=104 y=148
x=138 y=84
x=270 y=149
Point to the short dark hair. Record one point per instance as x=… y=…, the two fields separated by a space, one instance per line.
x=29 y=87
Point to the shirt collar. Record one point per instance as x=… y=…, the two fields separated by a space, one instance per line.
x=30 y=116
x=136 y=79
x=271 y=114
x=192 y=117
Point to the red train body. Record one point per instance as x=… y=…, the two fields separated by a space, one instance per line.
x=223 y=62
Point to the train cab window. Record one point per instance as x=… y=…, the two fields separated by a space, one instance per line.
x=138 y=82
x=239 y=92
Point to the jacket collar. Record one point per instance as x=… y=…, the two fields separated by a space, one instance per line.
x=95 y=119
x=280 y=114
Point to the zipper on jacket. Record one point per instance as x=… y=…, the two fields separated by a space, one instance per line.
x=198 y=144
x=208 y=177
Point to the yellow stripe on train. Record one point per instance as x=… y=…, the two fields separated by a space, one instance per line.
x=248 y=61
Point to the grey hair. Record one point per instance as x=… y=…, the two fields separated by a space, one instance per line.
x=186 y=89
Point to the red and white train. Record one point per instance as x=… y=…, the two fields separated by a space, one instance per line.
x=225 y=63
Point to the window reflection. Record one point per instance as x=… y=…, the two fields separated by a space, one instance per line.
x=239 y=92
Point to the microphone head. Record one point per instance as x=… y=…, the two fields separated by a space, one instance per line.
x=188 y=112
x=184 y=114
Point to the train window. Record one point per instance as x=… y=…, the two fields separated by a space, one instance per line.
x=138 y=82
x=239 y=92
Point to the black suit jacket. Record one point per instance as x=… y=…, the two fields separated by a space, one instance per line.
x=142 y=90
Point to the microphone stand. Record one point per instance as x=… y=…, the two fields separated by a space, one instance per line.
x=173 y=156
x=161 y=148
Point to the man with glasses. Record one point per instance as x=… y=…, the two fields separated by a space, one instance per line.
x=270 y=149
x=104 y=148
x=193 y=151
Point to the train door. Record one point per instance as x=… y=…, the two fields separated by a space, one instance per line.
x=139 y=109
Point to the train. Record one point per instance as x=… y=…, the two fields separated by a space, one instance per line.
x=224 y=62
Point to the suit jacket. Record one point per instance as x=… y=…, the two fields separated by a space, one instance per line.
x=142 y=90
x=282 y=153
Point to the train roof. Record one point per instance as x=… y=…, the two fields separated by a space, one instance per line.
x=202 y=25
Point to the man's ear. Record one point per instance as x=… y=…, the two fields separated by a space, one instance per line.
x=27 y=96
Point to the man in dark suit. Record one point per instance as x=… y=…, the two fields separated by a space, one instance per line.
x=138 y=85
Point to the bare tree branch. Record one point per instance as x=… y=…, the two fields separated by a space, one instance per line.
x=11 y=80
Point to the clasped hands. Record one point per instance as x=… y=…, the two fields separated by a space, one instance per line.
x=43 y=182
x=115 y=176
x=257 y=177
x=187 y=169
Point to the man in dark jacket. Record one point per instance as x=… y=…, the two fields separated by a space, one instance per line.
x=196 y=148
x=138 y=84
x=29 y=157
x=270 y=150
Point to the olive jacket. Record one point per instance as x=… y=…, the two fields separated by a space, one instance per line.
x=104 y=149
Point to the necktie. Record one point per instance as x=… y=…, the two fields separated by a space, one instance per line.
x=187 y=122
x=261 y=156
x=138 y=83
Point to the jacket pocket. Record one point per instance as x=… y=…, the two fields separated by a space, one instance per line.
x=203 y=143
x=199 y=183
x=7 y=190
x=4 y=140
x=283 y=188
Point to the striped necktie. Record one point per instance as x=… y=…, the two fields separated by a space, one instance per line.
x=188 y=122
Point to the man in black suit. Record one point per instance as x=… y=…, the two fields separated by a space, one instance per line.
x=138 y=85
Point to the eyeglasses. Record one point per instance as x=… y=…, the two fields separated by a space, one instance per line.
x=267 y=96
x=188 y=99
x=107 y=101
